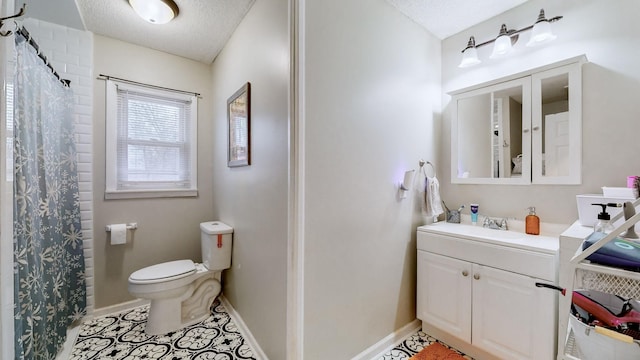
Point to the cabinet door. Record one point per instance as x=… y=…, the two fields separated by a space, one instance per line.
x=556 y=120
x=444 y=293
x=512 y=318
x=490 y=127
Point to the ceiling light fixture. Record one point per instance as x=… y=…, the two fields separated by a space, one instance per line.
x=540 y=33
x=155 y=11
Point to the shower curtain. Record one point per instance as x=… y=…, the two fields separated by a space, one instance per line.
x=49 y=272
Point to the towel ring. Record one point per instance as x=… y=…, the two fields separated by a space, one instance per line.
x=422 y=162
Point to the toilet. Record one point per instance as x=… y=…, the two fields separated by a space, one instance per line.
x=181 y=291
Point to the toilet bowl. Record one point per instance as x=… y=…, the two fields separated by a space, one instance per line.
x=181 y=291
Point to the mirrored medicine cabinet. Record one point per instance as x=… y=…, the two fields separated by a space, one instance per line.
x=522 y=129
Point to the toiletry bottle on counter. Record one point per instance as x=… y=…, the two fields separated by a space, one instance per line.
x=604 y=224
x=474 y=213
x=532 y=222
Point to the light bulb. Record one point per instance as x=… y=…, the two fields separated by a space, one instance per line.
x=541 y=33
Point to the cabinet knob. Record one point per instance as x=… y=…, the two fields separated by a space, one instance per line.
x=525 y=130
x=476 y=276
x=536 y=128
x=465 y=273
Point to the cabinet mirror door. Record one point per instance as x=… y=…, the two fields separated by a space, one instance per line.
x=556 y=126
x=490 y=134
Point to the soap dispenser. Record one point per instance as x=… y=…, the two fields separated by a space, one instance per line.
x=532 y=222
x=604 y=224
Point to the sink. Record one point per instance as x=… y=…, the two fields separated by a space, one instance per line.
x=508 y=238
x=477 y=231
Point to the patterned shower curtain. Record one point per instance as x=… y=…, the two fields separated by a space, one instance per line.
x=49 y=272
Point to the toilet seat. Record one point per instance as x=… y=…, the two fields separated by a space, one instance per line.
x=168 y=271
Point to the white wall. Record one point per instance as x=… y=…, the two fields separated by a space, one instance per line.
x=168 y=228
x=253 y=199
x=371 y=81
x=603 y=30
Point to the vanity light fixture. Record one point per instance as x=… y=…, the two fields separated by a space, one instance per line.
x=540 y=33
x=155 y=11
x=503 y=43
x=470 y=54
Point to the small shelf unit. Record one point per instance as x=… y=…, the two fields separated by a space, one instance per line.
x=591 y=276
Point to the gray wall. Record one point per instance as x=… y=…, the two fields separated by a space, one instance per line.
x=371 y=83
x=603 y=31
x=253 y=199
x=168 y=229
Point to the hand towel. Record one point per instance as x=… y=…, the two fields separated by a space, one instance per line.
x=432 y=201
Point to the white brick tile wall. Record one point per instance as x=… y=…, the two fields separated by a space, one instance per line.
x=70 y=52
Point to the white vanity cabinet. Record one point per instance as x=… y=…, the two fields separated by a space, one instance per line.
x=476 y=290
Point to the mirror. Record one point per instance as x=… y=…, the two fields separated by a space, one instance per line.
x=557 y=125
x=555 y=118
x=522 y=131
x=489 y=130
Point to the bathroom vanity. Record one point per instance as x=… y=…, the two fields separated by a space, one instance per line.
x=476 y=290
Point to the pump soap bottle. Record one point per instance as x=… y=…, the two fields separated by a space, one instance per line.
x=604 y=225
x=532 y=222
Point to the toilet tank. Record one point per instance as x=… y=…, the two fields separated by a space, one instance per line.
x=216 y=238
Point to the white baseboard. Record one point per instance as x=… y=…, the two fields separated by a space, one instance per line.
x=244 y=330
x=389 y=342
x=117 y=308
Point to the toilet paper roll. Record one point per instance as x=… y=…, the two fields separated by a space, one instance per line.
x=118 y=234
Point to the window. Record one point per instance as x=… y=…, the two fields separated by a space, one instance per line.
x=151 y=142
x=9 y=132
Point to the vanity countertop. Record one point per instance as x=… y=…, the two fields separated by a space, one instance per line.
x=519 y=240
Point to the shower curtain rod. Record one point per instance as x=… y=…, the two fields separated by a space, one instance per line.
x=108 y=77
x=22 y=31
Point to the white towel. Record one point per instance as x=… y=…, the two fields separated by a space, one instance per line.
x=432 y=201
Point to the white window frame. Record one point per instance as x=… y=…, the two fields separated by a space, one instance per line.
x=111 y=141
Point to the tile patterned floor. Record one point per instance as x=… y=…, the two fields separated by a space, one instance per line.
x=411 y=346
x=121 y=336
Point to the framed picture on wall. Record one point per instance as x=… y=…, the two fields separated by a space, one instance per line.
x=239 y=126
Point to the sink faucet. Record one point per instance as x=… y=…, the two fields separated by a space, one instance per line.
x=496 y=224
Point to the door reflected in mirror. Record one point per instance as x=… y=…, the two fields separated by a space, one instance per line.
x=555 y=125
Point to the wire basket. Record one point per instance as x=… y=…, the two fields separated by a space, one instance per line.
x=613 y=284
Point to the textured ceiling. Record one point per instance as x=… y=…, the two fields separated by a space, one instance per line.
x=444 y=18
x=203 y=26
x=199 y=32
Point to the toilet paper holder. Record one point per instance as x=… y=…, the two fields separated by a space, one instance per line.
x=130 y=226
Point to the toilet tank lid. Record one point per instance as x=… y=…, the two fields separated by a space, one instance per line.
x=215 y=227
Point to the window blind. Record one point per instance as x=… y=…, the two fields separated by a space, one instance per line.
x=153 y=141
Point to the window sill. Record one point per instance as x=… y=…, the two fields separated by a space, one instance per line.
x=138 y=194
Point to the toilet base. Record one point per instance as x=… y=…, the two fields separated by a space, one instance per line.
x=168 y=315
